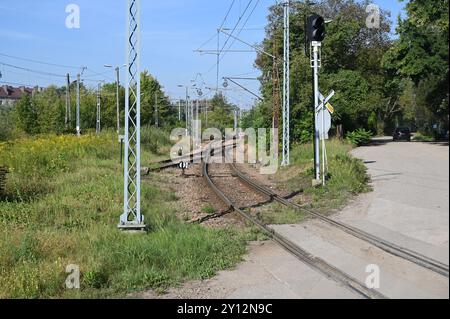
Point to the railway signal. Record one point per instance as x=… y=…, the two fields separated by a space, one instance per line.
x=315 y=28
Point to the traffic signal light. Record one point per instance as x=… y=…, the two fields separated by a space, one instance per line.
x=315 y=28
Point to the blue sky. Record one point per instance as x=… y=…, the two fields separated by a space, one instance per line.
x=171 y=31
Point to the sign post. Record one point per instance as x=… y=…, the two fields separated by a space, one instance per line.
x=323 y=116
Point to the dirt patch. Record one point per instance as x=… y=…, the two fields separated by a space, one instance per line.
x=287 y=183
x=196 y=200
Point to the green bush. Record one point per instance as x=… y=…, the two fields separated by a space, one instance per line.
x=423 y=138
x=359 y=137
x=153 y=139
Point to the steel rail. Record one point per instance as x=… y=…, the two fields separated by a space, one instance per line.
x=316 y=263
x=168 y=163
x=389 y=247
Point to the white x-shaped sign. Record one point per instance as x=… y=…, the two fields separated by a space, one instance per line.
x=324 y=100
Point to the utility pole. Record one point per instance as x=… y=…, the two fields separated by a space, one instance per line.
x=156 y=110
x=206 y=112
x=68 y=110
x=78 y=104
x=286 y=87
x=132 y=219
x=235 y=120
x=179 y=110
x=186 y=115
x=218 y=61
x=276 y=91
x=117 y=94
x=117 y=99
x=98 y=127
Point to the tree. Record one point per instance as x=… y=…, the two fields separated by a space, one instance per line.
x=154 y=102
x=351 y=59
x=50 y=110
x=421 y=55
x=26 y=116
x=221 y=115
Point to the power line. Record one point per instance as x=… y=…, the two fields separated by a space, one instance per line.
x=49 y=64
x=228 y=13
x=236 y=25
x=39 y=62
x=242 y=28
x=221 y=26
x=19 y=84
x=28 y=75
x=31 y=70
x=233 y=30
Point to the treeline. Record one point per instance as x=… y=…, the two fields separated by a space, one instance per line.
x=380 y=81
x=45 y=111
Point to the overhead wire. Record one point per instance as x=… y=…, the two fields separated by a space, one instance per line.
x=15 y=83
x=221 y=26
x=32 y=70
x=242 y=28
x=95 y=73
x=39 y=62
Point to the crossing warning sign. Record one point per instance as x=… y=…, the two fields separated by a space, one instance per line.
x=330 y=108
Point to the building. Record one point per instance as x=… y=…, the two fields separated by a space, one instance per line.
x=10 y=95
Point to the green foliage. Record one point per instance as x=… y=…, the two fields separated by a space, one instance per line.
x=74 y=221
x=220 y=115
x=155 y=108
x=26 y=115
x=359 y=137
x=32 y=161
x=421 y=55
x=372 y=123
x=423 y=138
x=154 y=139
x=351 y=61
x=6 y=124
x=208 y=209
x=44 y=112
x=50 y=111
x=3 y=172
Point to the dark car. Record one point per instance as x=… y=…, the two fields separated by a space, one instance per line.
x=402 y=134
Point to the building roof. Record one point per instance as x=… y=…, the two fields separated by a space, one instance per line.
x=13 y=93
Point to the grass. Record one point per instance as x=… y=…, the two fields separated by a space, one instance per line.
x=63 y=197
x=63 y=200
x=347 y=178
x=208 y=209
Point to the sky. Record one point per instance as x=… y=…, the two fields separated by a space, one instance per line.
x=171 y=31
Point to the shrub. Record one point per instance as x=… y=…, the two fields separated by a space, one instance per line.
x=153 y=139
x=423 y=138
x=208 y=209
x=359 y=137
x=3 y=172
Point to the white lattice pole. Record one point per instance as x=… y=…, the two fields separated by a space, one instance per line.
x=132 y=217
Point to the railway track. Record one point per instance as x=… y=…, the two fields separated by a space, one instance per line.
x=389 y=247
x=311 y=260
x=169 y=163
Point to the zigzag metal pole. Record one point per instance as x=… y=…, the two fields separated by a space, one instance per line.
x=286 y=88
x=132 y=218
